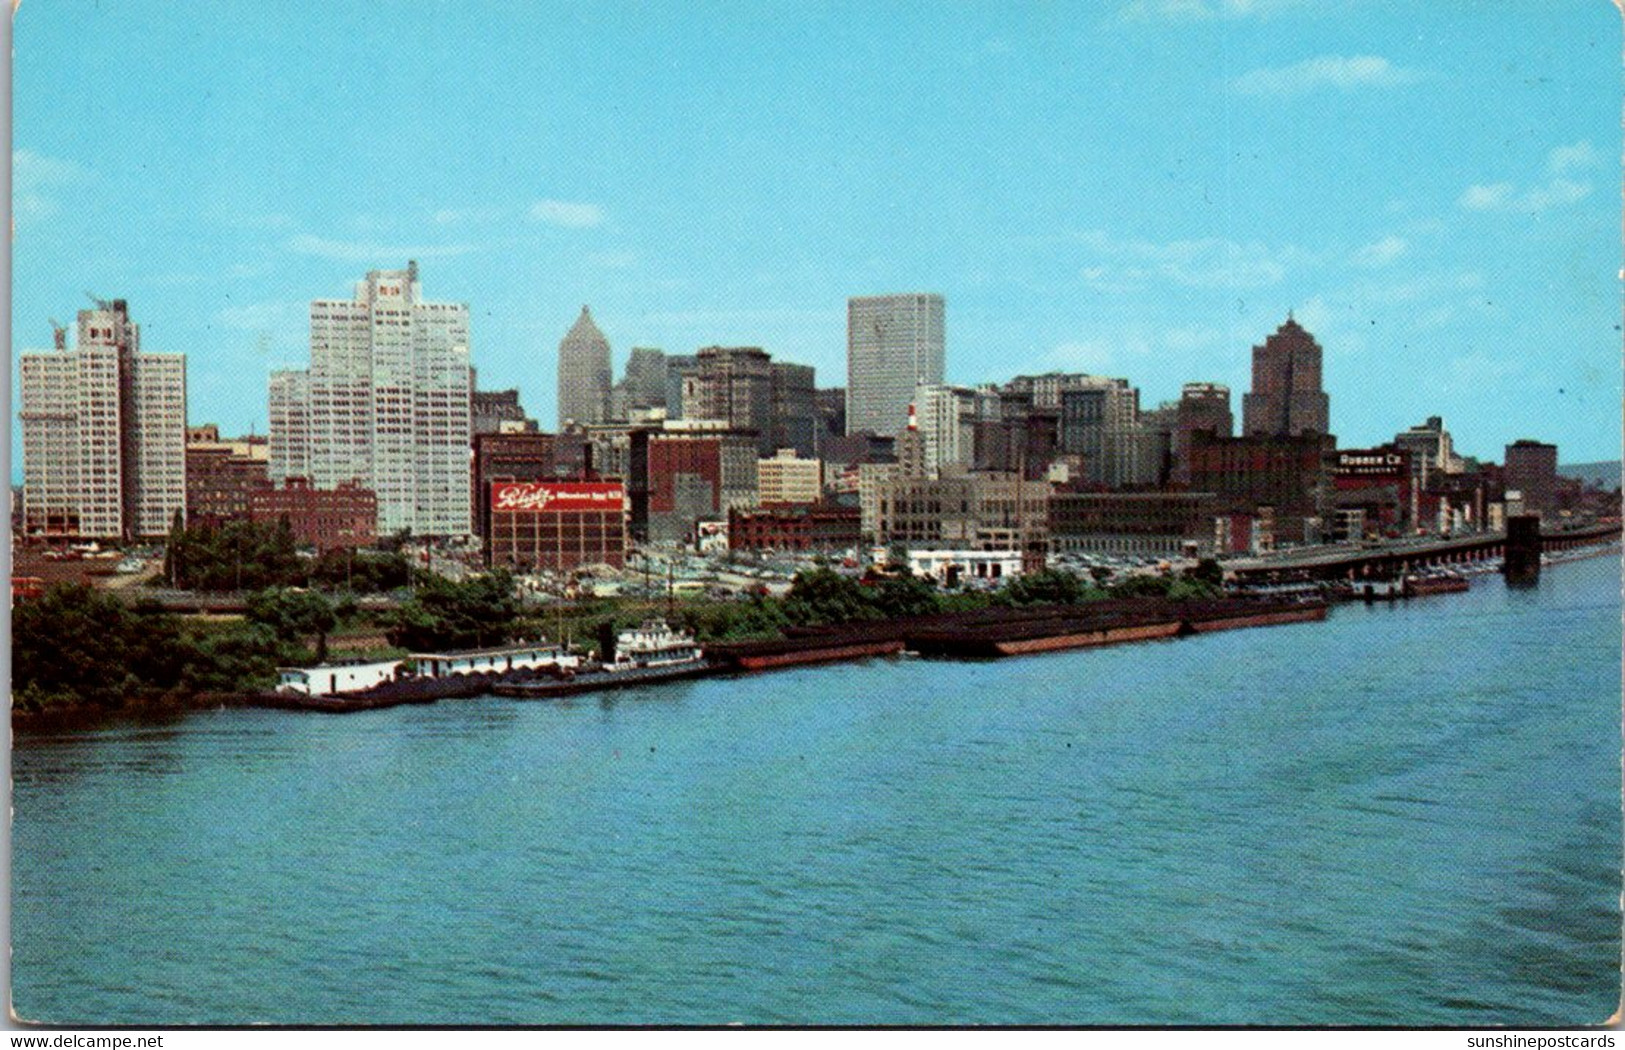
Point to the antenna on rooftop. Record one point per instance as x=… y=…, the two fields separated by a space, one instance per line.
x=101 y=304
x=59 y=334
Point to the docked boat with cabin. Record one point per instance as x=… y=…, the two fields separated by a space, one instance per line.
x=651 y=652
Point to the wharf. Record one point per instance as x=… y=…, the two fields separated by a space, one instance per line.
x=1013 y=632
x=995 y=632
x=543 y=688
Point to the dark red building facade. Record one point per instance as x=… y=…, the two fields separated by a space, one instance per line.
x=793 y=528
x=220 y=484
x=327 y=519
x=557 y=525
x=508 y=457
x=1287 y=475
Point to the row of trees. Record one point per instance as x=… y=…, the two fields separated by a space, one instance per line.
x=822 y=596
x=78 y=646
x=251 y=556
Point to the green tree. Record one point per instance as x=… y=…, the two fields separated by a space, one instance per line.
x=239 y=555
x=78 y=645
x=363 y=572
x=824 y=596
x=1210 y=570
x=291 y=615
x=1048 y=587
x=177 y=533
x=906 y=595
x=443 y=614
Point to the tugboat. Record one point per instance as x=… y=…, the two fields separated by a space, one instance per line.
x=653 y=644
x=650 y=653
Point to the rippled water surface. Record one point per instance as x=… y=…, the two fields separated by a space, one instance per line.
x=1403 y=815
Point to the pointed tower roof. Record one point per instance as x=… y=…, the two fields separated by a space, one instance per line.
x=584 y=330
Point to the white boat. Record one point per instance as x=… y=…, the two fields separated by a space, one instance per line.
x=654 y=644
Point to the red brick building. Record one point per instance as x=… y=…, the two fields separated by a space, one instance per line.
x=795 y=528
x=327 y=519
x=508 y=457
x=557 y=525
x=220 y=483
x=1288 y=475
x=1372 y=486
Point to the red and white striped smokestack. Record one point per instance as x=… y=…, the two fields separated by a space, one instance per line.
x=913 y=420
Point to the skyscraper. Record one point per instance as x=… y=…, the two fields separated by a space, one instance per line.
x=1202 y=406
x=795 y=408
x=584 y=373
x=1286 y=399
x=894 y=343
x=1531 y=469
x=946 y=419
x=644 y=385
x=290 y=425
x=389 y=396
x=104 y=432
x=735 y=384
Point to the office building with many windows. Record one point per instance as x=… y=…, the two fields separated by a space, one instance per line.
x=104 y=432
x=894 y=343
x=388 y=404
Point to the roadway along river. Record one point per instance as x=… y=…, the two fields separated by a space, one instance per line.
x=1403 y=815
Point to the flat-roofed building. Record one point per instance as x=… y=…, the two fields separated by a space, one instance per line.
x=103 y=433
x=787 y=478
x=1144 y=523
x=894 y=343
x=345 y=516
x=558 y=525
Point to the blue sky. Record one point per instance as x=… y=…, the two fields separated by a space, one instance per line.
x=1142 y=188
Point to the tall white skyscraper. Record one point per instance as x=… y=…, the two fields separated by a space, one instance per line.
x=894 y=343
x=104 y=433
x=389 y=391
x=290 y=425
x=947 y=418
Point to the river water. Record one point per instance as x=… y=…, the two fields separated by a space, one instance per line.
x=1407 y=814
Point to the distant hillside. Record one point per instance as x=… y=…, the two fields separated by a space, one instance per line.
x=1604 y=475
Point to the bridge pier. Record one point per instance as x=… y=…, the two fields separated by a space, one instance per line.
x=1523 y=547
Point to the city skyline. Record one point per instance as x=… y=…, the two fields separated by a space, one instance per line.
x=1470 y=249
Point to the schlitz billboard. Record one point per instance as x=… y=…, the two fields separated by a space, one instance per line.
x=555 y=496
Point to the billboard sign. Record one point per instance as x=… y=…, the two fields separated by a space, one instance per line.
x=712 y=536
x=532 y=496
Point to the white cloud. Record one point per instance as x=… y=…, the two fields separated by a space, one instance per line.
x=1560 y=187
x=35 y=178
x=1565 y=159
x=1486 y=198
x=1086 y=355
x=31 y=170
x=1345 y=73
x=569 y=214
x=1201 y=10
x=370 y=251
x=1209 y=262
x=1554 y=193
x=1504 y=196
x=271 y=314
x=1381 y=253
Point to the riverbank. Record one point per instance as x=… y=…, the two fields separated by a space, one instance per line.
x=1407 y=814
x=983 y=630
